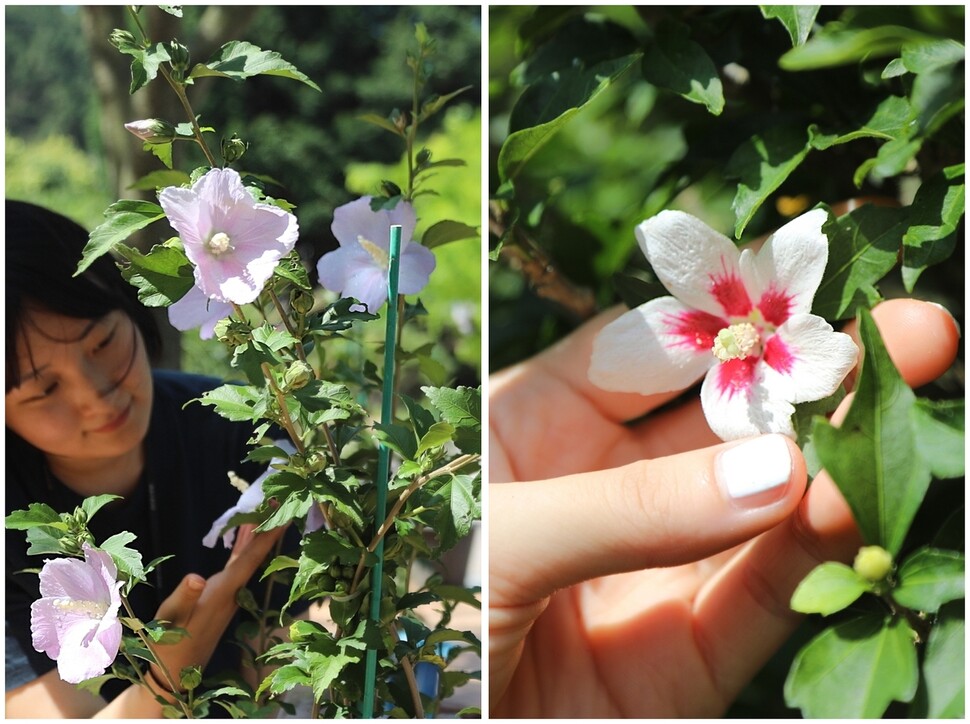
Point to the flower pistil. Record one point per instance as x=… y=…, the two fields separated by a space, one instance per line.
x=377 y=253
x=218 y=244
x=738 y=341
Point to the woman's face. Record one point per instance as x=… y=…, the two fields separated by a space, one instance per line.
x=85 y=392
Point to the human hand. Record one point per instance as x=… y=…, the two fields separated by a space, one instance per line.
x=624 y=580
x=204 y=607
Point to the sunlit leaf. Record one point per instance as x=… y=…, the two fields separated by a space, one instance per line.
x=240 y=60
x=830 y=587
x=835 y=46
x=676 y=62
x=447 y=231
x=854 y=670
x=943 y=685
x=929 y=578
x=797 y=19
x=163 y=276
x=939 y=427
x=936 y=213
x=122 y=219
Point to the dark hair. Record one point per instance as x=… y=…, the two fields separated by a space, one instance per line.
x=42 y=252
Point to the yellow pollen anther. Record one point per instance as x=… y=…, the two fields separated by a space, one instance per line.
x=218 y=244
x=376 y=252
x=737 y=342
x=91 y=609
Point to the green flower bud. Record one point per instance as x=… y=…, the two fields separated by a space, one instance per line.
x=297 y=375
x=152 y=130
x=233 y=148
x=232 y=332
x=424 y=157
x=316 y=461
x=873 y=563
x=301 y=302
x=179 y=55
x=122 y=39
x=390 y=188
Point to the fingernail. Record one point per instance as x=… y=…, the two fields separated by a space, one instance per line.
x=753 y=467
x=950 y=315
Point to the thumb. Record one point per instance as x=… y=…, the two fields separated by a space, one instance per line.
x=180 y=603
x=550 y=534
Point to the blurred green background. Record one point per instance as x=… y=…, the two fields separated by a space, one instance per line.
x=67 y=100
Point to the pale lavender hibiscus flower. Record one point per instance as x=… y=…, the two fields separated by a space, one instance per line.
x=738 y=318
x=75 y=622
x=358 y=268
x=233 y=241
x=249 y=500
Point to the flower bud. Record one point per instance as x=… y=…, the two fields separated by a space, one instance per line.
x=315 y=461
x=297 y=375
x=301 y=302
x=233 y=148
x=873 y=563
x=122 y=39
x=232 y=332
x=390 y=188
x=179 y=55
x=152 y=130
x=424 y=157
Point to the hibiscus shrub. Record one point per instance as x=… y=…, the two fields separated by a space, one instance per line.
x=314 y=378
x=748 y=117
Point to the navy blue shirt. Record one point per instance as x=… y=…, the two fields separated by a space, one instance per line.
x=184 y=488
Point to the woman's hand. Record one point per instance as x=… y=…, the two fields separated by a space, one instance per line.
x=626 y=580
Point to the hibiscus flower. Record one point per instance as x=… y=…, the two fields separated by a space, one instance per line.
x=75 y=622
x=196 y=310
x=358 y=268
x=739 y=318
x=234 y=242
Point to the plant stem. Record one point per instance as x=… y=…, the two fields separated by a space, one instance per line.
x=284 y=413
x=408 y=669
x=920 y=626
x=300 y=352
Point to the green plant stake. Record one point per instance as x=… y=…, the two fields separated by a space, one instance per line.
x=383 y=461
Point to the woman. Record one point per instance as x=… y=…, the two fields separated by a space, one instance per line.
x=86 y=415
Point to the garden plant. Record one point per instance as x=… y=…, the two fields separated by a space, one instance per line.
x=746 y=180
x=375 y=464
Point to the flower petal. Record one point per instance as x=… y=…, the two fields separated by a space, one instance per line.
x=658 y=347
x=812 y=358
x=196 y=310
x=738 y=403
x=784 y=275
x=696 y=264
x=415 y=269
x=357 y=219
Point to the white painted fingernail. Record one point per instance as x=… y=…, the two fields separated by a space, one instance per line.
x=753 y=467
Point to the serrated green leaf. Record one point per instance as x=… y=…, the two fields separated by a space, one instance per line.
x=280 y=563
x=234 y=402
x=36 y=514
x=162 y=277
x=398 y=438
x=676 y=62
x=830 y=587
x=446 y=231
x=929 y=578
x=454 y=521
x=935 y=216
x=240 y=60
x=863 y=248
x=797 y=19
x=127 y=559
x=43 y=540
x=762 y=163
x=283 y=679
x=421 y=418
x=873 y=457
x=943 y=684
x=462 y=407
x=122 y=219
x=893 y=118
x=548 y=105
x=854 y=670
x=940 y=438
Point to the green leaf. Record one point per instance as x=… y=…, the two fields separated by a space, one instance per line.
x=92 y=505
x=925 y=56
x=160 y=179
x=462 y=509
x=283 y=679
x=892 y=119
x=435 y=103
x=398 y=438
x=797 y=19
x=929 y=578
x=762 y=163
x=44 y=539
x=446 y=231
x=122 y=219
x=462 y=407
x=873 y=457
x=830 y=587
x=127 y=559
x=239 y=60
x=836 y=45
x=233 y=402
x=439 y=434
x=163 y=276
x=854 y=670
x=941 y=694
x=676 y=62
x=421 y=418
x=381 y=122
x=36 y=514
x=547 y=106
x=935 y=216
x=863 y=248
x=940 y=436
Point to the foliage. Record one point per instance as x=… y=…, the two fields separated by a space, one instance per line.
x=310 y=367
x=746 y=117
